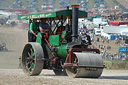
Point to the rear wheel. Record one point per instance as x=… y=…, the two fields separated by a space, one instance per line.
x=32 y=59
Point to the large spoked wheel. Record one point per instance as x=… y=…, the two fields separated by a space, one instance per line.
x=32 y=59
x=90 y=65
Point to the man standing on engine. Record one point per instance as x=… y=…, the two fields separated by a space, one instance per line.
x=32 y=33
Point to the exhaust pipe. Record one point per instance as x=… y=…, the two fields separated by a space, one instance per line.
x=74 y=22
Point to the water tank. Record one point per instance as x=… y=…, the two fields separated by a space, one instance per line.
x=111 y=37
x=116 y=36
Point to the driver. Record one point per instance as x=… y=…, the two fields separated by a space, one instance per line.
x=44 y=26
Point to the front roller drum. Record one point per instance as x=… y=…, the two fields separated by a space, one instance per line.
x=89 y=65
x=32 y=59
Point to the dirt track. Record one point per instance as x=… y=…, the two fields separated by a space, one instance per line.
x=47 y=77
x=15 y=40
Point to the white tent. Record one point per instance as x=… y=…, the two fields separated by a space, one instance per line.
x=124 y=32
x=114 y=29
x=106 y=31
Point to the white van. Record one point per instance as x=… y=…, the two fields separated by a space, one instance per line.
x=97 y=31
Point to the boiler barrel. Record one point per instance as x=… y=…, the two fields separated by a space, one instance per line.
x=62 y=51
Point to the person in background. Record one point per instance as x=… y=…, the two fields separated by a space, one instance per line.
x=97 y=39
x=32 y=33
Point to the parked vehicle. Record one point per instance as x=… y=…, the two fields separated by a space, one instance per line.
x=97 y=31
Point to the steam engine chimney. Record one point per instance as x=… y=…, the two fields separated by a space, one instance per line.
x=74 y=22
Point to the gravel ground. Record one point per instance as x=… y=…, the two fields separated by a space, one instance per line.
x=47 y=77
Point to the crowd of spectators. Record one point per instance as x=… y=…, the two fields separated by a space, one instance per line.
x=104 y=44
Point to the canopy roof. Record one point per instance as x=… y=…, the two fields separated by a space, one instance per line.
x=65 y=13
x=93 y=16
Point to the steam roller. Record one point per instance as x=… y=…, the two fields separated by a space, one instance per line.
x=62 y=50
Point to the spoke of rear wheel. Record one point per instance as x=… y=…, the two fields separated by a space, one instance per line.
x=29 y=54
x=32 y=52
x=31 y=66
x=28 y=58
x=27 y=65
x=30 y=69
x=34 y=59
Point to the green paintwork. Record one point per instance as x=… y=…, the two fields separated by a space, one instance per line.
x=38 y=40
x=36 y=16
x=63 y=33
x=81 y=14
x=31 y=66
x=54 y=40
x=32 y=53
x=62 y=51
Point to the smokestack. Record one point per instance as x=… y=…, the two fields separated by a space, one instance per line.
x=74 y=22
x=67 y=7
